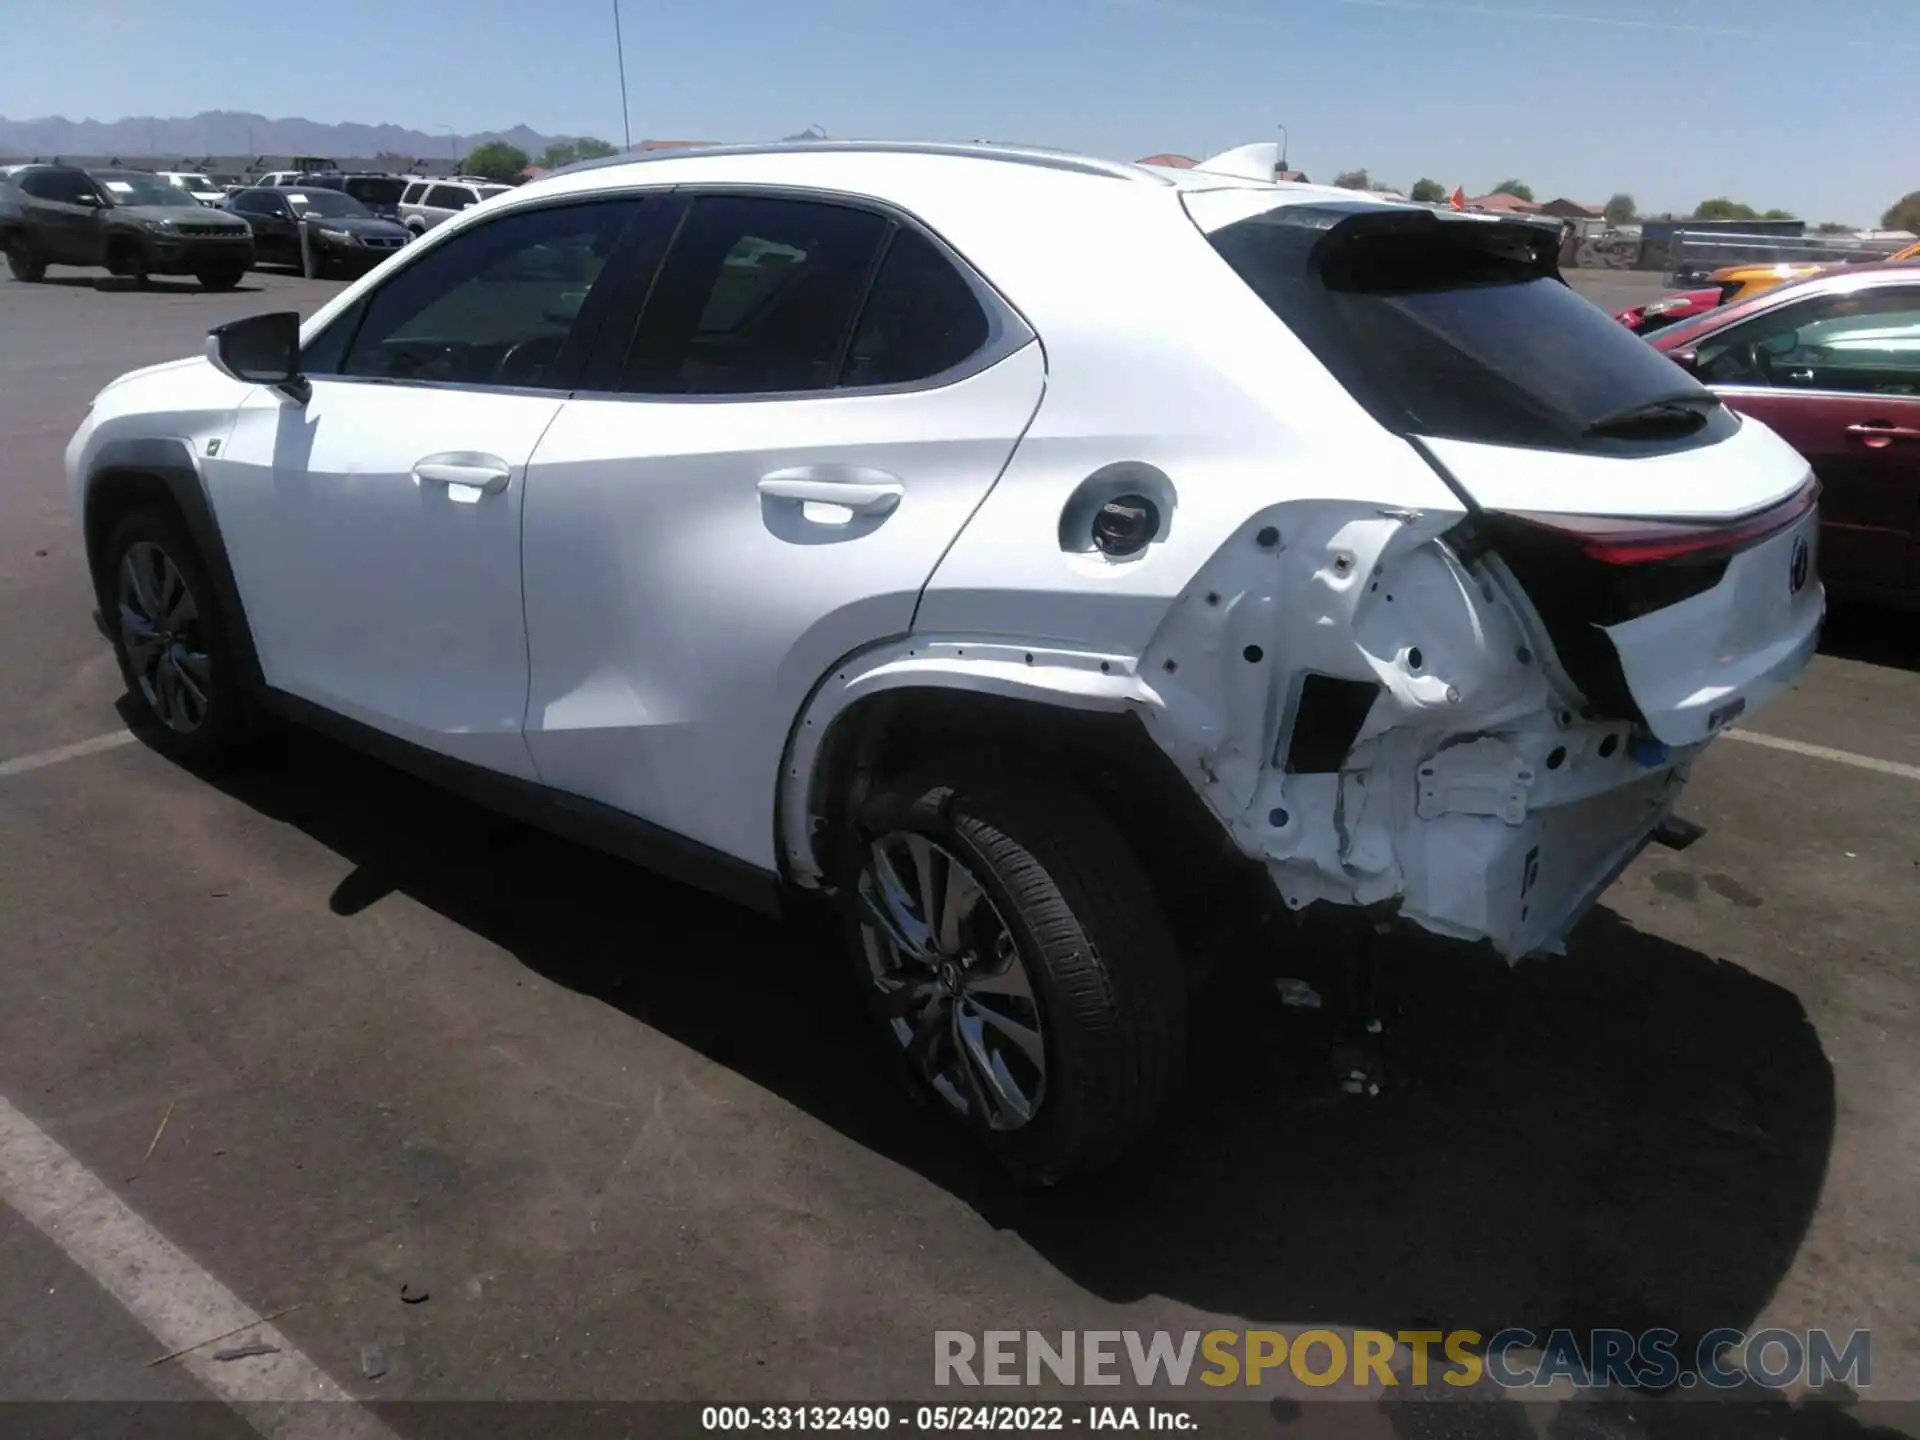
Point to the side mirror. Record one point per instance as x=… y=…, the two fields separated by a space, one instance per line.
x=92 y=202
x=1688 y=360
x=261 y=350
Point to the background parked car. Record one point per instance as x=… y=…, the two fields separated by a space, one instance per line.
x=133 y=223
x=1833 y=364
x=279 y=177
x=196 y=184
x=1668 y=310
x=379 y=193
x=425 y=203
x=343 y=236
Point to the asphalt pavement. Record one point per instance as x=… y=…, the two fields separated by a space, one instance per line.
x=311 y=1032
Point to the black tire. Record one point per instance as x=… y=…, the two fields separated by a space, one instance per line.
x=223 y=277
x=1099 y=960
x=24 y=263
x=127 y=258
x=196 y=649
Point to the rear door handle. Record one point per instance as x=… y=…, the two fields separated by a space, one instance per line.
x=487 y=474
x=1879 y=434
x=859 y=488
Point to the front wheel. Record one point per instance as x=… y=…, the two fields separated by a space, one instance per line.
x=24 y=264
x=1017 y=963
x=221 y=277
x=172 y=638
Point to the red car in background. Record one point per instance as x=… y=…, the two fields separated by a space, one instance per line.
x=1669 y=309
x=1832 y=364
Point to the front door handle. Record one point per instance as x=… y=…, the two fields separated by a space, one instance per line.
x=487 y=474
x=859 y=488
x=1879 y=434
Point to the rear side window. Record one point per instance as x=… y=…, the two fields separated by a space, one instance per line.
x=414 y=192
x=921 y=318
x=449 y=197
x=758 y=296
x=374 y=189
x=1460 y=329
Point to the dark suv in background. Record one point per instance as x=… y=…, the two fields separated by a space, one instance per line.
x=379 y=193
x=133 y=223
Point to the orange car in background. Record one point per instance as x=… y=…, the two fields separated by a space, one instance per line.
x=1743 y=282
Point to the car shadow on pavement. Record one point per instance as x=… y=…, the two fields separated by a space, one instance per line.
x=155 y=285
x=1634 y=1135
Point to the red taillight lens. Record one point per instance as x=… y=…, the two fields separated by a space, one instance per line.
x=1615 y=541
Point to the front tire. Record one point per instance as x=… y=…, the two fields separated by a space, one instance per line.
x=172 y=639
x=223 y=277
x=24 y=264
x=1013 y=954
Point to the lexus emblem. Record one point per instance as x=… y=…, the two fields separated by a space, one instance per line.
x=1798 y=567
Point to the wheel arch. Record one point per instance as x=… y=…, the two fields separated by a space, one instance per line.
x=1070 y=714
x=129 y=474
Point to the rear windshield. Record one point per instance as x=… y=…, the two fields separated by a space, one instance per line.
x=376 y=189
x=1457 y=329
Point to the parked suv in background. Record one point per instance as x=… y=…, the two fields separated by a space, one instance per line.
x=425 y=203
x=379 y=193
x=1047 y=558
x=199 y=186
x=134 y=223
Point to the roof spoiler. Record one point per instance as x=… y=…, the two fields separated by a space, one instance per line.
x=1365 y=247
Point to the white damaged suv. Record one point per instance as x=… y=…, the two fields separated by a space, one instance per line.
x=1023 y=549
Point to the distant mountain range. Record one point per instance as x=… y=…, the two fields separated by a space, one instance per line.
x=231 y=132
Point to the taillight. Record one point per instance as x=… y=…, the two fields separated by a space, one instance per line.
x=1615 y=541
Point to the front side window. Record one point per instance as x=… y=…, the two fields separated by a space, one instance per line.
x=495 y=306
x=64 y=187
x=259 y=202
x=326 y=203
x=1866 y=343
x=757 y=296
x=414 y=192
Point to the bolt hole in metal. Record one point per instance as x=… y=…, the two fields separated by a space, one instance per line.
x=1212 y=598
x=1267 y=538
x=1608 y=744
x=161 y=633
x=950 y=982
x=1556 y=757
x=1278 y=819
x=1415 y=659
x=1253 y=654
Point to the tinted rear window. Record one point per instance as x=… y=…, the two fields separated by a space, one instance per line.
x=375 y=189
x=1453 y=328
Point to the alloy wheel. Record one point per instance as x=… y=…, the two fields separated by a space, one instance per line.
x=949 y=980
x=163 y=637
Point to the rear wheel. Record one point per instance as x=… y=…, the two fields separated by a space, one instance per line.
x=220 y=277
x=24 y=263
x=1017 y=964
x=172 y=638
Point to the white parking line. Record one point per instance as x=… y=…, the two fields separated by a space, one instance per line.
x=1822 y=752
x=180 y=1304
x=21 y=764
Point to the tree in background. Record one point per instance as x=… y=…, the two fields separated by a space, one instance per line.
x=1903 y=214
x=1427 y=192
x=1621 y=210
x=565 y=152
x=1721 y=208
x=1832 y=227
x=1779 y=215
x=1353 y=180
x=1519 y=189
x=496 y=161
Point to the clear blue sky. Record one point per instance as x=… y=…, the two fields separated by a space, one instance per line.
x=1672 y=100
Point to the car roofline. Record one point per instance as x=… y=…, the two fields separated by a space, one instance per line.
x=1033 y=155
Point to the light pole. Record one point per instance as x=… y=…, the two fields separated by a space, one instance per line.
x=453 y=146
x=620 y=56
x=1283 y=148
